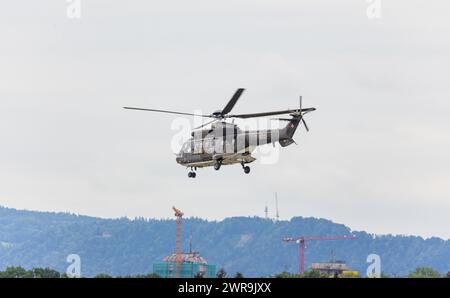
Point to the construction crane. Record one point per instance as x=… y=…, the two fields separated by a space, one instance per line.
x=179 y=216
x=302 y=239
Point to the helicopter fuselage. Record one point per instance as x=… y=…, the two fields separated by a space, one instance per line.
x=226 y=144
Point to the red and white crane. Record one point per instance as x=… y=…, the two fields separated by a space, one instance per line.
x=179 y=215
x=302 y=239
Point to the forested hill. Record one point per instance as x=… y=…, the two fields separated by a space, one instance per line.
x=251 y=246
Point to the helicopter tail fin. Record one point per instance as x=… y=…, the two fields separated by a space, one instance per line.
x=286 y=134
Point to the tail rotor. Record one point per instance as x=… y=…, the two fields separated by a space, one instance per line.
x=300 y=114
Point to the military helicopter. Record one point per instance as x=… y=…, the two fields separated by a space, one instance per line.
x=225 y=143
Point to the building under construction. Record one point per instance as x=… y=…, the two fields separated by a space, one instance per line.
x=183 y=265
x=191 y=265
x=334 y=268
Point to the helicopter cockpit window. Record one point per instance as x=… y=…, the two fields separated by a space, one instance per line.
x=186 y=147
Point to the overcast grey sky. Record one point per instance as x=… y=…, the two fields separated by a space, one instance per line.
x=377 y=157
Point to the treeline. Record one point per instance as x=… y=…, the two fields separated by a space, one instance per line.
x=420 y=272
x=19 y=272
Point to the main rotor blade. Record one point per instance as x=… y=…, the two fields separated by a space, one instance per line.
x=281 y=119
x=255 y=115
x=232 y=101
x=168 y=112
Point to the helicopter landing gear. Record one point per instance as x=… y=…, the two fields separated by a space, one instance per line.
x=192 y=174
x=246 y=168
x=217 y=165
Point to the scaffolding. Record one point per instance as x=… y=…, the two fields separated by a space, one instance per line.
x=191 y=265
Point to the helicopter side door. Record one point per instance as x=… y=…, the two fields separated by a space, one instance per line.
x=224 y=141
